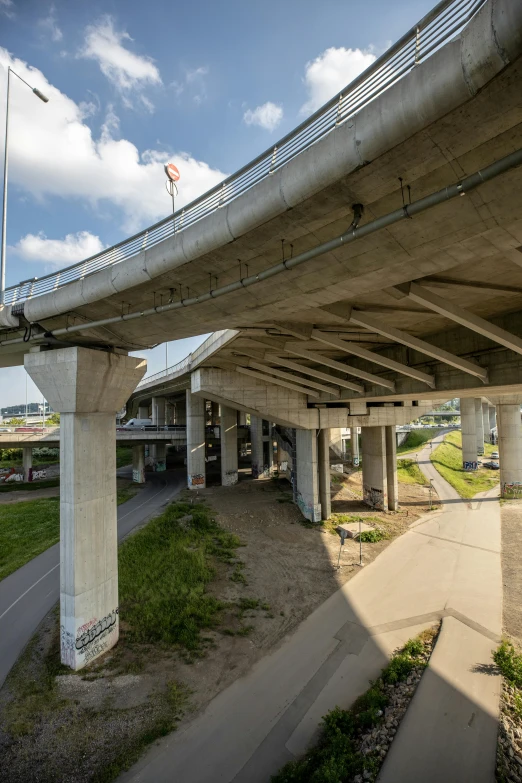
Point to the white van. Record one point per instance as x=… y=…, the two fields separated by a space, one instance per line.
x=136 y=424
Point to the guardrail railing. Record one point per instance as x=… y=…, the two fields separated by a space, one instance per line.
x=444 y=21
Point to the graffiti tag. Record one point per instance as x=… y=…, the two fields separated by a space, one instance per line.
x=470 y=466
x=374 y=497
x=97 y=630
x=197 y=480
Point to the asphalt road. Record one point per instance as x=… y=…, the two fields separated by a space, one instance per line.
x=29 y=593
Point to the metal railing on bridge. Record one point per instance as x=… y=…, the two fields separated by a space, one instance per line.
x=186 y=363
x=436 y=28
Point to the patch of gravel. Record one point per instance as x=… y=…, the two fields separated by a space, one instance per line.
x=509 y=749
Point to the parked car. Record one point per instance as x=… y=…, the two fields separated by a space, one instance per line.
x=491 y=465
x=494 y=455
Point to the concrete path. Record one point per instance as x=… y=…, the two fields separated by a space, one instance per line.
x=29 y=593
x=446 y=567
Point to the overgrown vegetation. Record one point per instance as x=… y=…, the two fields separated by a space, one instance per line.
x=26 y=530
x=164 y=570
x=447 y=459
x=416 y=439
x=408 y=472
x=336 y=757
x=509 y=663
x=372 y=536
x=123 y=456
x=12 y=458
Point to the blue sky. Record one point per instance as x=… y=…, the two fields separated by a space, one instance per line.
x=132 y=85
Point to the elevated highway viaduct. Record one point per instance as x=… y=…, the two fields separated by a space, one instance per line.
x=368 y=264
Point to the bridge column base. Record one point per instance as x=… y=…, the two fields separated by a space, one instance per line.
x=256 y=445
x=27 y=462
x=391 y=468
x=479 y=426
x=325 y=498
x=375 y=479
x=469 y=433
x=229 y=474
x=510 y=450
x=354 y=444
x=138 y=464
x=307 y=474
x=87 y=387
x=195 y=412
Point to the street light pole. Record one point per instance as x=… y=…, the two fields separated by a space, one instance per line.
x=6 y=160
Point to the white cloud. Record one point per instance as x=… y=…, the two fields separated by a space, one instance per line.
x=49 y=26
x=54 y=153
x=6 y=7
x=193 y=83
x=331 y=72
x=126 y=70
x=57 y=253
x=267 y=116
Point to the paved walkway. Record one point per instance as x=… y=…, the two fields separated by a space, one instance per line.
x=447 y=566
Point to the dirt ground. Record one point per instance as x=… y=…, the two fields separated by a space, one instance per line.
x=289 y=569
x=511 y=515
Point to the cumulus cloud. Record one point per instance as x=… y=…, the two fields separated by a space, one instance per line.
x=49 y=26
x=125 y=70
x=331 y=72
x=57 y=253
x=267 y=116
x=54 y=153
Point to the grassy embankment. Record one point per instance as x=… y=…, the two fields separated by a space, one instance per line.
x=408 y=472
x=447 y=459
x=416 y=440
x=123 y=456
x=164 y=611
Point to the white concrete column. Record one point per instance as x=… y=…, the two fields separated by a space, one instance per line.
x=158 y=411
x=492 y=418
x=161 y=457
x=196 y=478
x=143 y=412
x=325 y=498
x=241 y=419
x=256 y=445
x=229 y=474
x=87 y=387
x=27 y=462
x=391 y=468
x=485 y=420
x=307 y=474
x=510 y=450
x=479 y=426
x=375 y=481
x=354 y=445
x=138 y=464
x=469 y=433
x=336 y=441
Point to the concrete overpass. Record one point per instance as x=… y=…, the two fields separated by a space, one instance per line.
x=365 y=267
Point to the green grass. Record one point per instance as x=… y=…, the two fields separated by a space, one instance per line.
x=509 y=662
x=29 y=486
x=123 y=456
x=447 y=459
x=26 y=530
x=335 y=758
x=372 y=536
x=416 y=439
x=347 y=519
x=126 y=493
x=164 y=571
x=408 y=472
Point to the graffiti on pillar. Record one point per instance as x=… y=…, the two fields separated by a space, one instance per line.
x=8 y=475
x=311 y=511
x=66 y=647
x=512 y=489
x=37 y=475
x=138 y=475
x=160 y=466
x=266 y=471
x=91 y=638
x=196 y=480
x=229 y=478
x=374 y=497
x=283 y=466
x=469 y=466
x=255 y=470
x=355 y=462
x=337 y=468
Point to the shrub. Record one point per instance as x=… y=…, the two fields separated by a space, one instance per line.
x=509 y=662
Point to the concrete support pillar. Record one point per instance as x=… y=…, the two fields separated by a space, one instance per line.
x=469 y=433
x=375 y=481
x=143 y=412
x=87 y=387
x=336 y=441
x=196 y=478
x=324 y=473
x=28 y=463
x=485 y=419
x=158 y=411
x=492 y=417
x=256 y=445
x=241 y=419
x=161 y=457
x=354 y=445
x=510 y=450
x=229 y=474
x=307 y=475
x=138 y=464
x=391 y=468
x=479 y=425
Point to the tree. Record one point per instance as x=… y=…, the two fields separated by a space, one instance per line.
x=15 y=422
x=54 y=418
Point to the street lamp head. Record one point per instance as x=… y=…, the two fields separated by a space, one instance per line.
x=40 y=95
